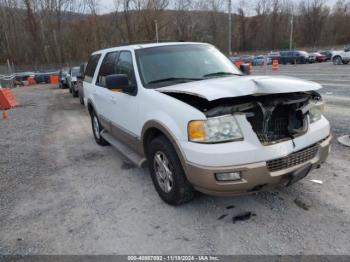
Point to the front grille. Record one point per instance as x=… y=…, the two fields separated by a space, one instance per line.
x=280 y=129
x=283 y=124
x=293 y=159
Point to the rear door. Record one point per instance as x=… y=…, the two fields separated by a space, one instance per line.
x=88 y=85
x=103 y=96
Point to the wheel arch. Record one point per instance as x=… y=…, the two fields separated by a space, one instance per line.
x=153 y=129
x=91 y=107
x=337 y=56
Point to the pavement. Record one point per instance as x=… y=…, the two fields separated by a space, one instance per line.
x=60 y=193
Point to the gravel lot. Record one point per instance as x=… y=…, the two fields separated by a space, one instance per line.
x=60 y=193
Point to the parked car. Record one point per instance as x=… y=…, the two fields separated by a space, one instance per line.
x=319 y=57
x=200 y=123
x=80 y=83
x=247 y=59
x=294 y=57
x=72 y=80
x=328 y=55
x=312 y=58
x=341 y=57
x=42 y=77
x=234 y=58
x=261 y=60
x=274 y=56
x=62 y=76
x=20 y=79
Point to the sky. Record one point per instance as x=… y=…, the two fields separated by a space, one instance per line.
x=106 y=6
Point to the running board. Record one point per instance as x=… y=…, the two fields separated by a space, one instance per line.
x=123 y=149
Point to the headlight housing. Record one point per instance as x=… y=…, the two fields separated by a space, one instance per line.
x=316 y=110
x=215 y=130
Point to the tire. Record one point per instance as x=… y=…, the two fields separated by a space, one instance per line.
x=74 y=93
x=97 y=129
x=81 y=100
x=337 y=60
x=346 y=62
x=163 y=161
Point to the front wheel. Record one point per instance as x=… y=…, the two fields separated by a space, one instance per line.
x=167 y=173
x=97 y=130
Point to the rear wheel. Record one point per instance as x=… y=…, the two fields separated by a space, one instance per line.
x=167 y=173
x=337 y=60
x=81 y=100
x=74 y=93
x=97 y=129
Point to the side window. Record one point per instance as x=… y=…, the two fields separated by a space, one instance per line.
x=108 y=67
x=125 y=66
x=82 y=69
x=91 y=67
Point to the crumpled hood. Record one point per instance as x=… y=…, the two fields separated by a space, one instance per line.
x=236 y=86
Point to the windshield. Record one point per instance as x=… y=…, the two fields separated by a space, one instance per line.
x=75 y=71
x=169 y=65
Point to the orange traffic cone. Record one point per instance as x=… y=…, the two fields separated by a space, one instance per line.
x=5 y=115
x=275 y=65
x=250 y=68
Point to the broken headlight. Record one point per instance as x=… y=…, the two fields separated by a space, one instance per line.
x=316 y=110
x=215 y=130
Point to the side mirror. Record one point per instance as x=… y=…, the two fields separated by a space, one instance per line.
x=121 y=82
x=245 y=69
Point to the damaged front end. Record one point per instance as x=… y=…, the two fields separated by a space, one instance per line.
x=274 y=118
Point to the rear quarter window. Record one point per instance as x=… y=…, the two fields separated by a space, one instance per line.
x=91 y=67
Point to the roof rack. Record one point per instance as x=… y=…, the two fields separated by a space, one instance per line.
x=148 y=42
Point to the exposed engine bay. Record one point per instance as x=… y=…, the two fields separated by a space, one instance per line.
x=274 y=118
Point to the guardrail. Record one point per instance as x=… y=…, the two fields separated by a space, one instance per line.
x=8 y=80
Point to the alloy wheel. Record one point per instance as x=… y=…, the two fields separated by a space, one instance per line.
x=164 y=171
x=96 y=127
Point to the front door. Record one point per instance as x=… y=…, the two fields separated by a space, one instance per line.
x=124 y=116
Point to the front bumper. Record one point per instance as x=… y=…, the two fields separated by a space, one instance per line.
x=254 y=177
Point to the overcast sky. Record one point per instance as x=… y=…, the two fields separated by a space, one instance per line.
x=107 y=6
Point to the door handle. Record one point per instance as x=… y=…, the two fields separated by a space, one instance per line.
x=114 y=100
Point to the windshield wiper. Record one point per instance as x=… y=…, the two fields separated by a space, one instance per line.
x=174 y=79
x=221 y=74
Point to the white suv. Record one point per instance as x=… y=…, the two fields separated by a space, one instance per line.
x=341 y=57
x=201 y=124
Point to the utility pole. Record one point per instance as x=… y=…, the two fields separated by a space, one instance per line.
x=291 y=33
x=157 y=36
x=229 y=27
